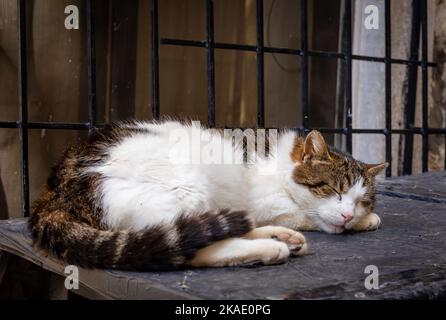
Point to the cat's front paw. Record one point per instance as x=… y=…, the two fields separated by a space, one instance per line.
x=370 y=222
x=294 y=240
x=272 y=252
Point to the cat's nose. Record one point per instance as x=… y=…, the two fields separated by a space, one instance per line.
x=348 y=216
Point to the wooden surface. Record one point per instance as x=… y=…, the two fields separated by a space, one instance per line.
x=409 y=251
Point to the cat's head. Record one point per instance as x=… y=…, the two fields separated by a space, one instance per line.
x=341 y=190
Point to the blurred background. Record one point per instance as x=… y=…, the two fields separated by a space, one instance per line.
x=57 y=75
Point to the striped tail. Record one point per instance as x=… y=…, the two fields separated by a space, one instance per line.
x=161 y=247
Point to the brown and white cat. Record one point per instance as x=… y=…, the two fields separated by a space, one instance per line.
x=131 y=198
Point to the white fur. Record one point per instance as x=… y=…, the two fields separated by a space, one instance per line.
x=237 y=251
x=142 y=185
x=329 y=216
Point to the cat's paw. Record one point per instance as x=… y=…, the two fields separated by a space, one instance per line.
x=294 y=240
x=272 y=252
x=370 y=222
x=241 y=252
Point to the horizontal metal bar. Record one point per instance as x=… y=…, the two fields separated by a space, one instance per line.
x=82 y=126
x=9 y=125
x=48 y=125
x=298 y=52
x=189 y=43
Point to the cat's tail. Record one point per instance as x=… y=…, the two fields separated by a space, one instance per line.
x=164 y=246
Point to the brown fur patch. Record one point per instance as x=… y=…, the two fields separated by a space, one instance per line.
x=333 y=173
x=298 y=149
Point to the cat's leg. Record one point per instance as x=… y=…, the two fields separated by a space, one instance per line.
x=369 y=222
x=241 y=252
x=295 y=240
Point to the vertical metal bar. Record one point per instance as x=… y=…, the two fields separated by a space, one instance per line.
x=425 y=92
x=23 y=100
x=412 y=79
x=388 y=87
x=155 y=61
x=347 y=52
x=91 y=60
x=304 y=64
x=210 y=61
x=260 y=66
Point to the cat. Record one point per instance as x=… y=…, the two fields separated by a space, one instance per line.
x=124 y=200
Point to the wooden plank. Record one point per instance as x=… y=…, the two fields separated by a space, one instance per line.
x=23 y=280
x=57 y=290
x=123 y=58
x=430 y=187
x=408 y=250
x=4 y=258
x=15 y=239
x=324 y=22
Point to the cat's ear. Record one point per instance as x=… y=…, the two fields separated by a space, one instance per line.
x=315 y=146
x=374 y=169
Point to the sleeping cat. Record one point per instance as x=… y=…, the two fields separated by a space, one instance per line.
x=124 y=199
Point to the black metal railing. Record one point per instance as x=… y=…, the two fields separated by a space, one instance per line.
x=420 y=6
x=260 y=49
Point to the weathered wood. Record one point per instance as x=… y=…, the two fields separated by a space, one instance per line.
x=57 y=289
x=23 y=279
x=123 y=58
x=429 y=187
x=409 y=251
x=4 y=258
x=15 y=238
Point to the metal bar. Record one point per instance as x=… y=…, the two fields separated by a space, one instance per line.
x=155 y=61
x=210 y=61
x=23 y=101
x=9 y=125
x=62 y=126
x=297 y=52
x=388 y=87
x=47 y=125
x=347 y=51
x=86 y=126
x=260 y=65
x=304 y=63
x=412 y=76
x=91 y=68
x=425 y=91
x=360 y=131
x=435 y=130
